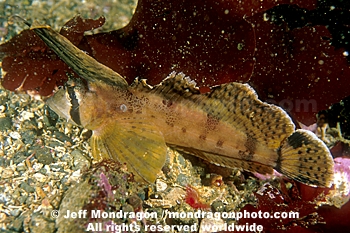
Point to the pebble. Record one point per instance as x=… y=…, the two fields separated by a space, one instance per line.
x=30 y=124
x=160 y=185
x=27 y=187
x=181 y=160
x=22 y=199
x=182 y=179
x=7 y=173
x=135 y=201
x=54 y=144
x=21 y=168
x=3 y=217
x=16 y=193
x=4 y=197
x=4 y=162
x=16 y=225
x=5 y=123
x=15 y=135
x=51 y=118
x=73 y=201
x=218 y=206
x=57 y=168
x=19 y=157
x=15 y=212
x=44 y=156
x=27 y=115
x=80 y=161
x=3 y=97
x=62 y=137
x=29 y=136
x=40 y=177
x=43 y=171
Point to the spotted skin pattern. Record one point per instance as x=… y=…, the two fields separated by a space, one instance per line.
x=228 y=126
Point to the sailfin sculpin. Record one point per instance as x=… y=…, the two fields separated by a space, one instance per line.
x=228 y=126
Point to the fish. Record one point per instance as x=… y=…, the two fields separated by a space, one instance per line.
x=228 y=126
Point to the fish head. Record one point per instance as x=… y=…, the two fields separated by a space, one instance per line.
x=89 y=104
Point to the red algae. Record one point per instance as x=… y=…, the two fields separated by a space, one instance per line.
x=30 y=65
x=167 y=36
x=309 y=64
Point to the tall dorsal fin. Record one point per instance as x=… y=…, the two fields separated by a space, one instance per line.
x=238 y=104
x=84 y=65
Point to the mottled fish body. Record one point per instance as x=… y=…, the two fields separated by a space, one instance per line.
x=228 y=126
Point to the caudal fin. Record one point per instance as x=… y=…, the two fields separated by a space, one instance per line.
x=306 y=158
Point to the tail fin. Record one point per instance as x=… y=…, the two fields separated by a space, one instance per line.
x=306 y=158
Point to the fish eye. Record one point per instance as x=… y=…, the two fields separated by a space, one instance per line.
x=123 y=108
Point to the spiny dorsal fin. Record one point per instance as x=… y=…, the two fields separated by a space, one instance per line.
x=176 y=84
x=141 y=85
x=135 y=142
x=84 y=65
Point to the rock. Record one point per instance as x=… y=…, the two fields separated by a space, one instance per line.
x=15 y=212
x=22 y=199
x=40 y=177
x=27 y=187
x=218 y=206
x=44 y=156
x=80 y=161
x=17 y=224
x=4 y=162
x=182 y=179
x=73 y=201
x=28 y=136
x=39 y=224
x=5 y=123
x=7 y=173
x=51 y=118
x=19 y=157
x=21 y=169
x=62 y=137
x=43 y=171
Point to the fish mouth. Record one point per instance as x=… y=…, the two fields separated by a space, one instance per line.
x=61 y=105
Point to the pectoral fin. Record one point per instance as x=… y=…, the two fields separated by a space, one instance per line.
x=138 y=144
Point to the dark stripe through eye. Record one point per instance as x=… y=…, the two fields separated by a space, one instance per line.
x=74 y=110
